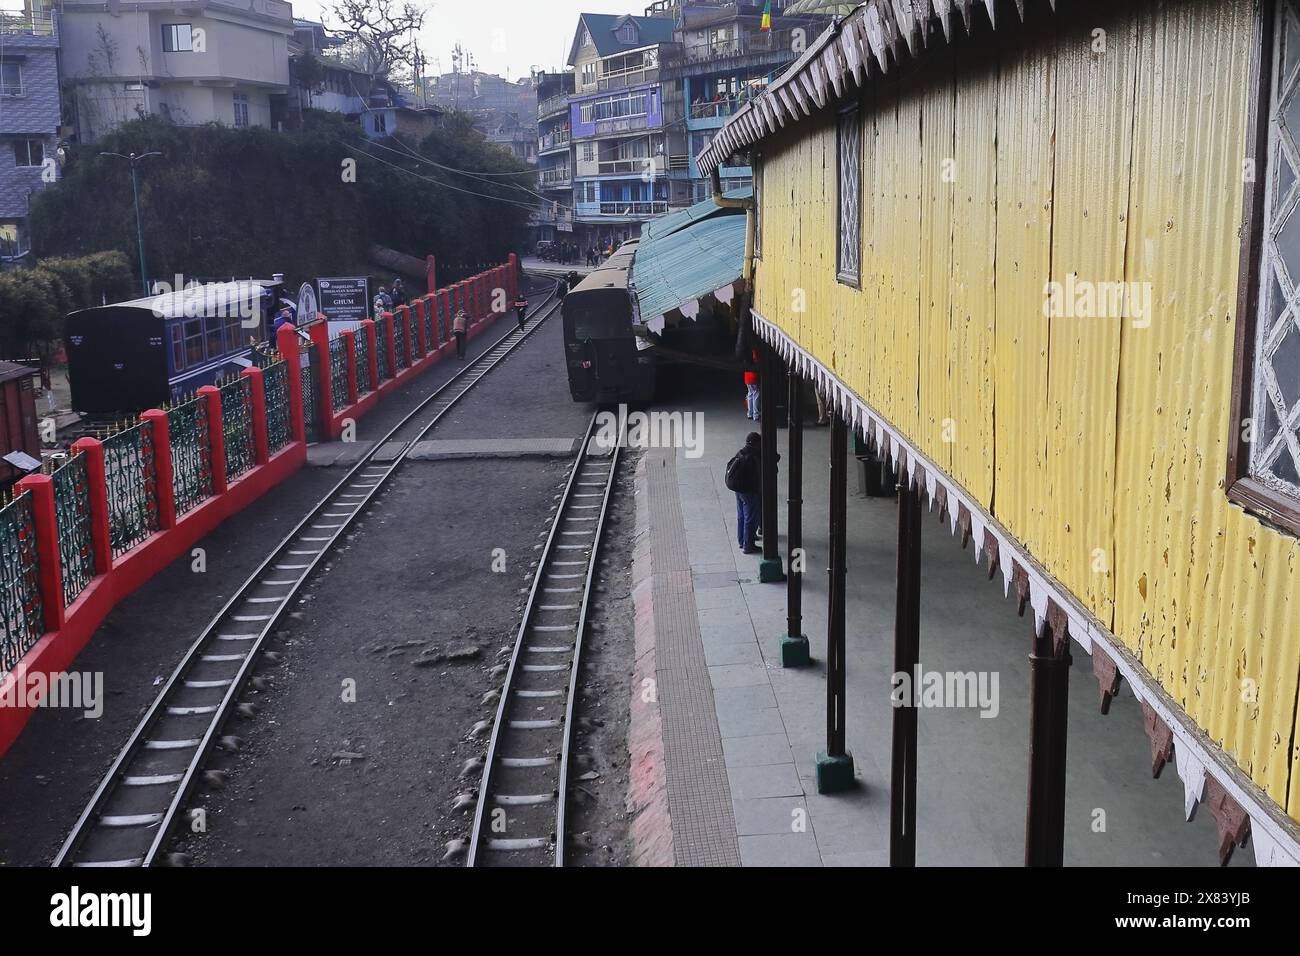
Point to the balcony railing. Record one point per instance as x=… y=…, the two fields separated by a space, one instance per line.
x=716 y=109
x=623 y=209
x=18 y=23
x=619 y=81
x=552 y=105
x=556 y=177
x=554 y=140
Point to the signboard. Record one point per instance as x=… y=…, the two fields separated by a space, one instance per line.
x=345 y=299
x=307 y=305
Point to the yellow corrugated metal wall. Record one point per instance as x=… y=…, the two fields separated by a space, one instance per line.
x=1099 y=442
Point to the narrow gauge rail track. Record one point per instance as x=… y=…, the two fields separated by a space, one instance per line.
x=520 y=816
x=136 y=805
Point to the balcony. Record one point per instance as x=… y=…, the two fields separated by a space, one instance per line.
x=553 y=106
x=622 y=210
x=558 y=178
x=552 y=142
x=752 y=49
x=19 y=23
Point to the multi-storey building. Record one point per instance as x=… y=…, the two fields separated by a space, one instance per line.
x=616 y=115
x=192 y=61
x=554 y=156
x=29 y=117
x=723 y=59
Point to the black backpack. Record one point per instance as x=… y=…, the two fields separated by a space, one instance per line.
x=736 y=477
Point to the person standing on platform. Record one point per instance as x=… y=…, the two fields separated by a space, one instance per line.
x=459 y=327
x=744 y=477
x=752 y=390
x=399 y=292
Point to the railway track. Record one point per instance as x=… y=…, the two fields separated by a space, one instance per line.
x=520 y=816
x=140 y=798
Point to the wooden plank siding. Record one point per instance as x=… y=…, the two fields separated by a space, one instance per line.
x=1099 y=442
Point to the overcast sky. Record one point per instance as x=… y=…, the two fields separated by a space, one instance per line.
x=507 y=37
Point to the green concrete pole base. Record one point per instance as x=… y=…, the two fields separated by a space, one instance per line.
x=794 y=651
x=834 y=774
x=770 y=571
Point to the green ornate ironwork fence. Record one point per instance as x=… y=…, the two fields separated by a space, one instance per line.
x=413 y=333
x=21 y=614
x=430 y=319
x=75 y=532
x=381 y=348
x=363 y=362
x=132 y=482
x=338 y=373
x=310 y=394
x=187 y=425
x=237 y=426
x=275 y=384
x=399 y=341
x=442 y=319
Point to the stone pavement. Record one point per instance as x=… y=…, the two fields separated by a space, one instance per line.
x=771 y=721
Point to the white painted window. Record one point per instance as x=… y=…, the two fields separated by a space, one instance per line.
x=1275 y=403
x=29 y=152
x=241 y=109
x=11 y=78
x=849 y=140
x=177 y=38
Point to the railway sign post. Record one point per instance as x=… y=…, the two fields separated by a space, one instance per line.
x=345 y=299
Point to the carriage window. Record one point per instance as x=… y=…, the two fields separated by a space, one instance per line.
x=178 y=349
x=236 y=335
x=193 y=342
x=212 y=326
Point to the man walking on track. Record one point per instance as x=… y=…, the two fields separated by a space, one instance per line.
x=459 y=326
x=744 y=478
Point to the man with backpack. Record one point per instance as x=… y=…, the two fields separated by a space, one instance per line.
x=744 y=477
x=459 y=327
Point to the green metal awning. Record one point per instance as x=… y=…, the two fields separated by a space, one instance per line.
x=687 y=255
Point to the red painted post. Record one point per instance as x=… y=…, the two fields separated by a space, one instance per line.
x=45 y=526
x=164 y=483
x=390 y=344
x=431 y=273
x=216 y=440
x=97 y=485
x=403 y=316
x=514 y=274
x=460 y=296
x=484 y=306
x=287 y=341
x=261 y=439
x=421 y=332
x=350 y=349
x=444 y=306
x=372 y=340
x=320 y=336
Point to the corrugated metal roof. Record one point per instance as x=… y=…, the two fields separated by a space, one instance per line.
x=666 y=225
x=701 y=251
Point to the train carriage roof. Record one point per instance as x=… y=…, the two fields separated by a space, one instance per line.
x=209 y=298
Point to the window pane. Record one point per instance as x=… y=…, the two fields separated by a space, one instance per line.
x=850 y=199
x=193 y=342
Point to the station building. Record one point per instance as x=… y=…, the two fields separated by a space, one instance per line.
x=1038 y=257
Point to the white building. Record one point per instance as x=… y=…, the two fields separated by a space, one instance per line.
x=189 y=61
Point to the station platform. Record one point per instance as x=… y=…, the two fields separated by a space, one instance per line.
x=724 y=754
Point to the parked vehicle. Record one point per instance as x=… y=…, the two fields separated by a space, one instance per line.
x=134 y=355
x=600 y=345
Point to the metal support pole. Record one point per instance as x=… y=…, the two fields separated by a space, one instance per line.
x=139 y=229
x=1049 y=696
x=834 y=767
x=794 y=644
x=907 y=654
x=769 y=568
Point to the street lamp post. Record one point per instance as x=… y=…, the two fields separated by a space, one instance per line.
x=133 y=158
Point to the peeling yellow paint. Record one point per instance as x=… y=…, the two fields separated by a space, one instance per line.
x=1098 y=441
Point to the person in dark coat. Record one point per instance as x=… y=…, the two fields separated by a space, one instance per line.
x=748 y=486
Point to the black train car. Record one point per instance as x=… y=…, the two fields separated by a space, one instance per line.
x=600 y=345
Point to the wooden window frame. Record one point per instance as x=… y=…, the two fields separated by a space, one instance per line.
x=1251 y=494
x=851 y=280
x=756 y=162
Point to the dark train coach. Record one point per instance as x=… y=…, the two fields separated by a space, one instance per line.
x=601 y=352
x=136 y=355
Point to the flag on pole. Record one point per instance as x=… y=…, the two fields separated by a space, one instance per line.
x=767 y=16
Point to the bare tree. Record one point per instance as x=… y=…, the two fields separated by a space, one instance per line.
x=381 y=33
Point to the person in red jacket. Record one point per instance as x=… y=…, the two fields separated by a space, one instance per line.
x=751 y=390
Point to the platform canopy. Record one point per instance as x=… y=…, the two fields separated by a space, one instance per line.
x=688 y=255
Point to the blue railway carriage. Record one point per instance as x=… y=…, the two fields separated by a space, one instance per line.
x=130 y=356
